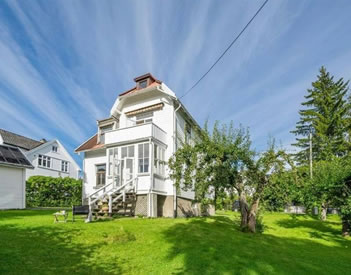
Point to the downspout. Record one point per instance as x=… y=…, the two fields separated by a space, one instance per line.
x=151 y=163
x=174 y=150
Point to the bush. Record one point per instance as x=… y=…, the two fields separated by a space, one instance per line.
x=44 y=191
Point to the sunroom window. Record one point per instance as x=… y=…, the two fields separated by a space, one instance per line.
x=159 y=160
x=143 y=158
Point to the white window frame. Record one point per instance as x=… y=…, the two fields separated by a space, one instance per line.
x=54 y=148
x=98 y=175
x=113 y=153
x=143 y=159
x=144 y=118
x=44 y=159
x=64 y=166
x=159 y=160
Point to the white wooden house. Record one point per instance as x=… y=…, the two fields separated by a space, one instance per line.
x=49 y=158
x=127 y=155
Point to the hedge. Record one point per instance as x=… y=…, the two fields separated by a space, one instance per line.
x=44 y=191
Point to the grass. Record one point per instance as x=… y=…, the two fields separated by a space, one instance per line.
x=30 y=243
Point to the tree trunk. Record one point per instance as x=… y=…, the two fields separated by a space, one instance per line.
x=346 y=228
x=324 y=212
x=253 y=215
x=244 y=210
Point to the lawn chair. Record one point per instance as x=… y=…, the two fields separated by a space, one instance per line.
x=80 y=210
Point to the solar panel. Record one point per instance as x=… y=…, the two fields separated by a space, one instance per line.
x=13 y=155
x=19 y=156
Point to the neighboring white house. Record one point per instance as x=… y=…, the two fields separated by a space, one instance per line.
x=13 y=166
x=128 y=153
x=49 y=158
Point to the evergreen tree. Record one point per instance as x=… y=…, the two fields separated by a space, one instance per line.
x=327 y=117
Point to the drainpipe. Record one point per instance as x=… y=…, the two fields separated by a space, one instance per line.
x=174 y=149
x=151 y=162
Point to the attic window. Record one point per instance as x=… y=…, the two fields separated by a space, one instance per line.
x=143 y=84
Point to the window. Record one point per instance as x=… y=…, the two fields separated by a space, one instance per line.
x=112 y=159
x=54 y=148
x=159 y=160
x=64 y=166
x=143 y=84
x=100 y=174
x=144 y=118
x=103 y=130
x=143 y=157
x=44 y=161
x=127 y=151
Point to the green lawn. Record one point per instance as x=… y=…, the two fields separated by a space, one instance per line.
x=30 y=243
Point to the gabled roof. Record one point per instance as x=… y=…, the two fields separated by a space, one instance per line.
x=12 y=156
x=13 y=139
x=90 y=144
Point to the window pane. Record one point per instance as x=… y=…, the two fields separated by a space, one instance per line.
x=143 y=84
x=146 y=150
x=124 y=152
x=140 y=170
x=140 y=150
x=131 y=151
x=146 y=165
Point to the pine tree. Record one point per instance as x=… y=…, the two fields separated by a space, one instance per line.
x=327 y=117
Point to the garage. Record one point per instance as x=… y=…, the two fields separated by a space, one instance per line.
x=13 y=165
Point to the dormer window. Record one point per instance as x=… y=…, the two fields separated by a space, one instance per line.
x=103 y=130
x=143 y=84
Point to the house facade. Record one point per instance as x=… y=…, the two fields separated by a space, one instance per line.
x=49 y=158
x=128 y=154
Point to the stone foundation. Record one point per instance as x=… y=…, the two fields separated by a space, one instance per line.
x=186 y=208
x=164 y=206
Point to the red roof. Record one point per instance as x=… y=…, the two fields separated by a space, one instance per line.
x=152 y=81
x=89 y=144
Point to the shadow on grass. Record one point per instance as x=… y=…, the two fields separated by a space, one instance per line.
x=215 y=245
x=318 y=229
x=48 y=250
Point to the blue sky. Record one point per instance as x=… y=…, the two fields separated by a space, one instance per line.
x=63 y=63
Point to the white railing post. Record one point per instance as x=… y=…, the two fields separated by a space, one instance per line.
x=124 y=195
x=110 y=204
x=90 y=215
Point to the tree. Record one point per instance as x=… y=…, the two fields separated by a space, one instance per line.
x=223 y=160
x=327 y=117
x=331 y=184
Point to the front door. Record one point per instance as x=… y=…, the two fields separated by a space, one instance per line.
x=127 y=163
x=127 y=169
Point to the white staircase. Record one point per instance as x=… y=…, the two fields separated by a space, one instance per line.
x=111 y=193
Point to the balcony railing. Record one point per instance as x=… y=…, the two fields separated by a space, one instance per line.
x=137 y=132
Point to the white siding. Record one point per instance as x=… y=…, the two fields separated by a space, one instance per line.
x=12 y=188
x=56 y=160
x=90 y=161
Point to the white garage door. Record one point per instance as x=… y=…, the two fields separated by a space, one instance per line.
x=11 y=187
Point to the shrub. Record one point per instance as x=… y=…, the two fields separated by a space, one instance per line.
x=44 y=191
